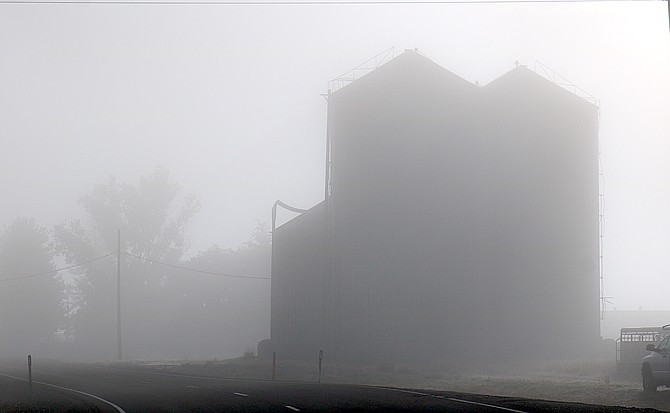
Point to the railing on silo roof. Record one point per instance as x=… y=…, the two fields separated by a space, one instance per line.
x=548 y=73
x=361 y=70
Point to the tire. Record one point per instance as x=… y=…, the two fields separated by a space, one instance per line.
x=649 y=385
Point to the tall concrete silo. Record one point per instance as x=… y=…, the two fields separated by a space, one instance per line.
x=542 y=237
x=406 y=210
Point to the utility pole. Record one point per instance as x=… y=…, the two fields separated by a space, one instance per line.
x=118 y=294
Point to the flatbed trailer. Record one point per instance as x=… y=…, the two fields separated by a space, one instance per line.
x=632 y=343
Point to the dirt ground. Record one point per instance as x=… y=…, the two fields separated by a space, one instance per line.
x=615 y=393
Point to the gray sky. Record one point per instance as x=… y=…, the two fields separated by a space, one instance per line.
x=228 y=99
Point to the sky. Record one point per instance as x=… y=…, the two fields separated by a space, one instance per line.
x=229 y=100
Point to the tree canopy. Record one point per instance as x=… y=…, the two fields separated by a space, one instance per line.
x=167 y=310
x=31 y=308
x=153 y=223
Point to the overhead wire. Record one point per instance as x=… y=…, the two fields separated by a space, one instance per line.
x=181 y=267
x=40 y=274
x=306 y=3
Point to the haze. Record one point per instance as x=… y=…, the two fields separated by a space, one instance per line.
x=228 y=100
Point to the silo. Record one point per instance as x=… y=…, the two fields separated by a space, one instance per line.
x=541 y=161
x=405 y=212
x=461 y=223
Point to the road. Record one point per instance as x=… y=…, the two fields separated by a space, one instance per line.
x=121 y=389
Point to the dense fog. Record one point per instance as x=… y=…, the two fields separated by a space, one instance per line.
x=148 y=144
x=454 y=213
x=216 y=309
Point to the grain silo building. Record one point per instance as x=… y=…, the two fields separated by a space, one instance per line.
x=456 y=218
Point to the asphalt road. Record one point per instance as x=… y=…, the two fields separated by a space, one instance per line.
x=120 y=389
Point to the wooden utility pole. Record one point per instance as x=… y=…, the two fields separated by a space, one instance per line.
x=118 y=295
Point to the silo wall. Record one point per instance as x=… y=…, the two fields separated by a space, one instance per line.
x=407 y=213
x=542 y=245
x=298 y=271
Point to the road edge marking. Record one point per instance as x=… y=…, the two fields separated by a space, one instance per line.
x=493 y=406
x=507 y=409
x=118 y=409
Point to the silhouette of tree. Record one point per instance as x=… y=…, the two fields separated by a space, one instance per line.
x=218 y=316
x=30 y=307
x=261 y=235
x=154 y=228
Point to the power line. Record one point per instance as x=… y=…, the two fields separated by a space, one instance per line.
x=55 y=270
x=193 y=269
x=304 y=3
x=40 y=274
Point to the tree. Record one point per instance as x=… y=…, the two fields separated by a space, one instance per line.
x=150 y=231
x=233 y=314
x=30 y=307
x=261 y=235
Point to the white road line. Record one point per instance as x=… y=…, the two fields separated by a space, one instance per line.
x=405 y=391
x=118 y=409
x=193 y=387
x=145 y=382
x=492 y=406
x=507 y=409
x=295 y=409
x=241 y=394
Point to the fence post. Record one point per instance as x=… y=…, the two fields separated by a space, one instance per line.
x=30 y=374
x=320 y=360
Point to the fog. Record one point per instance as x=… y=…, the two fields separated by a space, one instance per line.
x=194 y=119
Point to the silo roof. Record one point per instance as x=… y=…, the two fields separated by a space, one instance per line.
x=522 y=75
x=410 y=64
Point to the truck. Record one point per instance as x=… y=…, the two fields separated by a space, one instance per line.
x=656 y=365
